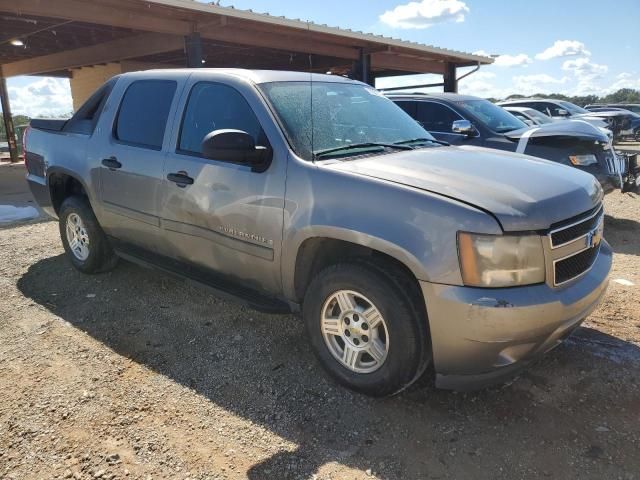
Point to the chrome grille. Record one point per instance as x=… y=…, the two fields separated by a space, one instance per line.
x=575 y=244
x=577 y=229
x=575 y=265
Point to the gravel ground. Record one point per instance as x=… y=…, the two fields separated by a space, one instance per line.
x=135 y=375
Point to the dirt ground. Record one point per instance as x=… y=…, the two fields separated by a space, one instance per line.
x=135 y=375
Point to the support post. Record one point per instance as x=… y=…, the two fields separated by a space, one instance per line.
x=362 y=68
x=450 y=78
x=8 y=121
x=193 y=49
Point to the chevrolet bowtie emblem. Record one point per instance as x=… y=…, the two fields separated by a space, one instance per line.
x=594 y=237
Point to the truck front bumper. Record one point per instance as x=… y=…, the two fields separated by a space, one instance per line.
x=483 y=336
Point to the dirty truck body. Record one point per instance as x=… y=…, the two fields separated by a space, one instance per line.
x=317 y=194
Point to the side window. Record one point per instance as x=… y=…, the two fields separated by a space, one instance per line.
x=552 y=109
x=144 y=111
x=409 y=107
x=520 y=116
x=436 y=117
x=85 y=119
x=214 y=106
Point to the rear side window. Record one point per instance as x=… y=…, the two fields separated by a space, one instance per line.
x=409 y=107
x=85 y=119
x=214 y=106
x=144 y=111
x=436 y=117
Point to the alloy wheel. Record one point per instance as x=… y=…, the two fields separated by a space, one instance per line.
x=77 y=237
x=355 y=331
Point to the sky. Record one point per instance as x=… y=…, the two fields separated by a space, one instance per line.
x=542 y=46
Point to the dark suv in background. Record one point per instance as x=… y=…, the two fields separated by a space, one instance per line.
x=632 y=107
x=467 y=120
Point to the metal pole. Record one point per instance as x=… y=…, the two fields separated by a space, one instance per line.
x=8 y=121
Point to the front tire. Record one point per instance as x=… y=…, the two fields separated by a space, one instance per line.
x=366 y=328
x=83 y=239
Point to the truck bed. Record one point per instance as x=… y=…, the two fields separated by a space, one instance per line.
x=48 y=124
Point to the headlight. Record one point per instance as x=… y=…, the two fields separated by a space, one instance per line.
x=583 y=160
x=500 y=260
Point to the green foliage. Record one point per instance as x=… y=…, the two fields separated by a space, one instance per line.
x=17 y=121
x=625 y=95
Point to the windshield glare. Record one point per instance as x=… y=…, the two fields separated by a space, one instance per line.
x=572 y=108
x=343 y=114
x=496 y=118
x=539 y=117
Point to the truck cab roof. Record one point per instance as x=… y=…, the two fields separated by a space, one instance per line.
x=254 y=76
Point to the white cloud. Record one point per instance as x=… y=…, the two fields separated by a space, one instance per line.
x=483 y=85
x=563 y=48
x=624 y=80
x=425 y=13
x=538 y=79
x=519 y=60
x=44 y=97
x=481 y=88
x=583 y=68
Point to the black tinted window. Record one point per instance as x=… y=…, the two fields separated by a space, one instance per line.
x=213 y=106
x=436 y=117
x=144 y=111
x=409 y=107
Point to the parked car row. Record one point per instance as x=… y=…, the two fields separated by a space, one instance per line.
x=318 y=194
x=466 y=120
x=624 y=123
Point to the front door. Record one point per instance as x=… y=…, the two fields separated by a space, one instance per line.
x=438 y=120
x=131 y=158
x=224 y=217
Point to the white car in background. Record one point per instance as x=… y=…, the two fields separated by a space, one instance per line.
x=533 y=117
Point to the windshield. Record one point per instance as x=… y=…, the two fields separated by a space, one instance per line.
x=573 y=109
x=539 y=117
x=496 y=118
x=344 y=115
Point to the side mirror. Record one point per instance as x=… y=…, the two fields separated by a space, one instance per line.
x=463 y=127
x=562 y=112
x=236 y=146
x=528 y=121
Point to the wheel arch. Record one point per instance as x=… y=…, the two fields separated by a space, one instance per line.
x=329 y=245
x=63 y=183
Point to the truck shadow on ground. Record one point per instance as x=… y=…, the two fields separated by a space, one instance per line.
x=622 y=234
x=260 y=368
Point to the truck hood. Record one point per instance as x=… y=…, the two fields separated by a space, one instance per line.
x=566 y=128
x=522 y=192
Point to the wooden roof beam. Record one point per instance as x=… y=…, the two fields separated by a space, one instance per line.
x=121 y=49
x=92 y=12
x=277 y=41
x=392 y=61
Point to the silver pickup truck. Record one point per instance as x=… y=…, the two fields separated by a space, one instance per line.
x=315 y=193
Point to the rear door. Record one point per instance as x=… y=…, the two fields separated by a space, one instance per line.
x=132 y=159
x=227 y=220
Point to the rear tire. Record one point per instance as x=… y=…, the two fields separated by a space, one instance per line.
x=83 y=239
x=366 y=328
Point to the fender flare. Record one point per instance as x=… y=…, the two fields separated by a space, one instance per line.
x=294 y=244
x=64 y=171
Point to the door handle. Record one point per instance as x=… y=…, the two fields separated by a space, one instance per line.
x=181 y=178
x=112 y=163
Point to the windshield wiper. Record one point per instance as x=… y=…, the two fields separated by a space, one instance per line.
x=423 y=140
x=355 y=146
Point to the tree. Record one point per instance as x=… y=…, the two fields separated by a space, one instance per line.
x=624 y=95
x=17 y=121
